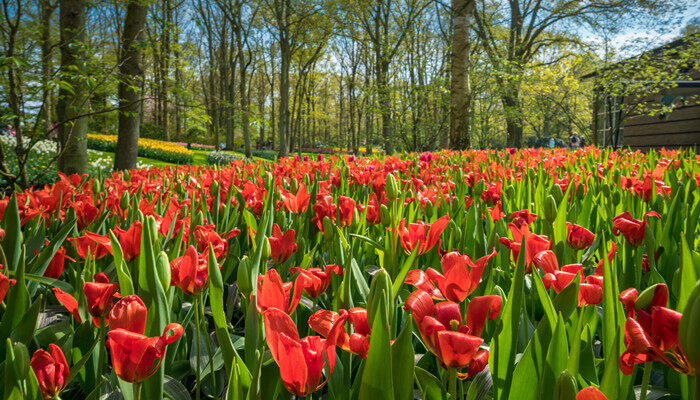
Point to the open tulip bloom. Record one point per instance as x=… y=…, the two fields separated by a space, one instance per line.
x=421 y=235
x=331 y=325
x=51 y=370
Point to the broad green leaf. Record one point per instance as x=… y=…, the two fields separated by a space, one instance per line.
x=402 y=359
x=429 y=385
x=555 y=363
x=377 y=377
x=688 y=275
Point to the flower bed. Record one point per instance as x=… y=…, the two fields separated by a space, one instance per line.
x=149 y=148
x=39 y=157
x=521 y=274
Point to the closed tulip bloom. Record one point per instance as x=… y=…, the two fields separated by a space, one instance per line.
x=346 y=210
x=459 y=279
x=190 y=272
x=135 y=357
x=282 y=246
x=58 y=261
x=129 y=313
x=316 y=280
x=301 y=361
x=99 y=295
x=421 y=235
x=273 y=293
x=632 y=229
x=578 y=237
x=51 y=370
x=130 y=240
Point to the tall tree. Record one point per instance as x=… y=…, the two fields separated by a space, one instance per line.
x=130 y=77
x=72 y=131
x=460 y=89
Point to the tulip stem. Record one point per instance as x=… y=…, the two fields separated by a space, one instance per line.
x=645 y=380
x=453 y=383
x=210 y=352
x=137 y=390
x=103 y=349
x=197 y=345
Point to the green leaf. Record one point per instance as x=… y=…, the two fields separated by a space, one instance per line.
x=546 y=302
x=12 y=243
x=610 y=384
x=566 y=301
x=529 y=370
x=24 y=331
x=688 y=276
x=126 y=284
x=402 y=359
x=40 y=262
x=557 y=356
x=398 y=280
x=18 y=298
x=429 y=385
x=377 y=378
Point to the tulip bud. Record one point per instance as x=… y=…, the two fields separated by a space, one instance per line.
x=645 y=298
x=391 y=188
x=243 y=276
x=689 y=328
x=266 y=250
x=96 y=187
x=163 y=268
x=460 y=176
x=124 y=201
x=616 y=176
x=380 y=288
x=328 y=229
x=385 y=216
x=557 y=193
x=215 y=187
x=269 y=179
x=550 y=208
x=198 y=219
x=479 y=188
x=510 y=191
x=429 y=211
x=606 y=190
x=294 y=186
x=565 y=388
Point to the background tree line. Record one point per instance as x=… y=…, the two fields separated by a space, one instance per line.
x=391 y=75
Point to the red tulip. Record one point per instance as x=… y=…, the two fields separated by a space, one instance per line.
x=523 y=217
x=331 y=325
x=86 y=212
x=69 y=302
x=130 y=240
x=135 y=357
x=651 y=331
x=282 y=246
x=190 y=272
x=454 y=342
x=315 y=280
x=5 y=284
x=301 y=361
x=99 y=295
x=99 y=245
x=590 y=288
x=273 y=293
x=578 y=237
x=205 y=235
x=324 y=207
x=298 y=203
x=346 y=210
x=55 y=267
x=171 y=217
x=632 y=229
x=611 y=256
x=535 y=244
x=130 y=314
x=460 y=279
x=421 y=235
x=51 y=370
x=590 y=393
x=373 y=210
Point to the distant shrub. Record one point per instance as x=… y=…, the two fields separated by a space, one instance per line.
x=221 y=157
x=266 y=154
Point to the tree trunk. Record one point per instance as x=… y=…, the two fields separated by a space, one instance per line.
x=514 y=123
x=73 y=130
x=460 y=91
x=283 y=123
x=130 y=74
x=46 y=13
x=244 y=100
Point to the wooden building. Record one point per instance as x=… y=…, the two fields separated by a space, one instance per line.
x=671 y=111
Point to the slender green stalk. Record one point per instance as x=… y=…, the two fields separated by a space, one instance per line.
x=645 y=380
x=137 y=390
x=210 y=352
x=102 y=351
x=197 y=346
x=453 y=383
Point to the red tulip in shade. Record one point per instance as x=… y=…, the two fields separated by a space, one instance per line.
x=590 y=288
x=632 y=229
x=205 y=235
x=460 y=279
x=346 y=210
x=130 y=240
x=578 y=237
x=297 y=203
x=651 y=331
x=135 y=357
x=5 y=284
x=421 y=235
x=315 y=280
x=273 y=293
x=301 y=361
x=99 y=295
x=190 y=272
x=282 y=246
x=453 y=341
x=534 y=244
x=590 y=393
x=130 y=314
x=331 y=325
x=51 y=370
x=523 y=217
